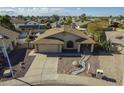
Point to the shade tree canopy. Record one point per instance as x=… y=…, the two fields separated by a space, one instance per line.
x=5 y=22
x=95 y=29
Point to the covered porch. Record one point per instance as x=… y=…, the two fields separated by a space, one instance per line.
x=83 y=48
x=85 y=45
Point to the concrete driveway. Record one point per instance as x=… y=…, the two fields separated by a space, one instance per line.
x=49 y=71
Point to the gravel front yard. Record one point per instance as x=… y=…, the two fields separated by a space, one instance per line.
x=65 y=65
x=20 y=56
x=113 y=66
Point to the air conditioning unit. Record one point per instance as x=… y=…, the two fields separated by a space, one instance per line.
x=99 y=73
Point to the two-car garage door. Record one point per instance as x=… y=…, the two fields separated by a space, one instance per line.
x=48 y=48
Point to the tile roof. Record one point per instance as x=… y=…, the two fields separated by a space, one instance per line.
x=8 y=33
x=113 y=36
x=66 y=29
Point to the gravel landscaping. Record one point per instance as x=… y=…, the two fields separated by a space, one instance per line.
x=65 y=65
x=21 y=62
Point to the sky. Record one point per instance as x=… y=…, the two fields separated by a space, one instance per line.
x=62 y=11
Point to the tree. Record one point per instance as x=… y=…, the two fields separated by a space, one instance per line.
x=63 y=20
x=96 y=30
x=55 y=18
x=5 y=22
x=28 y=41
x=121 y=17
x=115 y=24
x=121 y=26
x=68 y=20
x=105 y=45
x=82 y=17
x=48 y=25
x=20 y=16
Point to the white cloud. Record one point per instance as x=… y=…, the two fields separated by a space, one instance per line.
x=32 y=11
x=56 y=9
x=7 y=9
x=78 y=8
x=44 y=9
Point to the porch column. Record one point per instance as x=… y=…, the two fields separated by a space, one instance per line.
x=79 y=48
x=92 y=48
x=36 y=47
x=60 y=48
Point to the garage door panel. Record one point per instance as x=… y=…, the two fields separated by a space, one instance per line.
x=48 y=48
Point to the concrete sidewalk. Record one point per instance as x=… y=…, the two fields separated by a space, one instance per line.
x=83 y=80
x=62 y=79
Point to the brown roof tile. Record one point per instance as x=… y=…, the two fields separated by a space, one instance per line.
x=8 y=33
x=66 y=29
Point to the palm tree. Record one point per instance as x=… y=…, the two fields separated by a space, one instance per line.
x=28 y=38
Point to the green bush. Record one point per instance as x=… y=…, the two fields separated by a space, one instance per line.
x=83 y=26
x=105 y=44
x=121 y=26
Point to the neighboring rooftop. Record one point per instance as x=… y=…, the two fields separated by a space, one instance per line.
x=116 y=37
x=8 y=33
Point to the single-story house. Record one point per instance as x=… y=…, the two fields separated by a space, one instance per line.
x=109 y=29
x=63 y=39
x=31 y=26
x=10 y=41
x=117 y=40
x=81 y=29
x=56 y=24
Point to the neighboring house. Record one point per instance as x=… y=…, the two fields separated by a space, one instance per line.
x=56 y=24
x=31 y=26
x=109 y=29
x=11 y=42
x=23 y=35
x=81 y=29
x=16 y=21
x=117 y=41
x=122 y=21
x=85 y=23
x=78 y=23
x=63 y=39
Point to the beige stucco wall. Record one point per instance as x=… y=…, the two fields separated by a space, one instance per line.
x=48 y=48
x=67 y=37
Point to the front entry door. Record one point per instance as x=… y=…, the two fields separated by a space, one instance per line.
x=70 y=44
